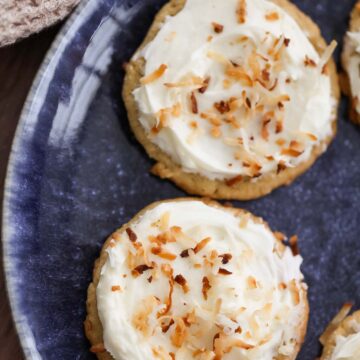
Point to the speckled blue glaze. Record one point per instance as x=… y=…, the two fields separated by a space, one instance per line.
x=76 y=174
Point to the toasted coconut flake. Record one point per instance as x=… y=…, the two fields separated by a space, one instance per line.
x=201 y=245
x=241 y=11
x=139 y=270
x=205 y=86
x=215 y=121
x=194 y=104
x=132 y=236
x=294 y=292
x=168 y=300
x=98 y=348
x=160 y=353
x=179 y=279
x=193 y=81
x=225 y=258
x=222 y=106
x=335 y=322
x=309 y=62
x=140 y=319
x=178 y=337
x=281 y=142
x=218 y=58
x=223 y=271
x=235 y=180
x=165 y=327
x=157 y=74
x=251 y=282
x=206 y=286
x=167 y=270
x=215 y=132
x=281 y=167
x=162 y=253
x=265 y=122
x=116 y=288
x=218 y=28
x=185 y=253
x=312 y=137
x=291 y=152
x=239 y=74
x=280 y=236
x=272 y=16
x=282 y=286
x=293 y=241
x=224 y=344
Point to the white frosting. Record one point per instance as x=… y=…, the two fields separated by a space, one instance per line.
x=182 y=45
x=352 y=64
x=347 y=348
x=268 y=314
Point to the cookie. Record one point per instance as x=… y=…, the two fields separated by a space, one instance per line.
x=232 y=99
x=350 y=81
x=341 y=340
x=191 y=279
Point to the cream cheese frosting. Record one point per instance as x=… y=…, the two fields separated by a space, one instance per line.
x=189 y=280
x=347 y=348
x=351 y=61
x=234 y=88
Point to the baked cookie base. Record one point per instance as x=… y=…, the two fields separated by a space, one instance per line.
x=92 y=324
x=197 y=184
x=344 y=77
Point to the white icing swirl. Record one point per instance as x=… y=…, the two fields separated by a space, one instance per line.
x=282 y=64
x=259 y=302
x=351 y=59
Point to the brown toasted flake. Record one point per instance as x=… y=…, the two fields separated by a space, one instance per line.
x=215 y=121
x=140 y=319
x=215 y=132
x=287 y=42
x=154 y=76
x=294 y=292
x=205 y=287
x=281 y=167
x=309 y=62
x=325 y=70
x=98 y=348
x=178 y=337
x=201 y=245
x=293 y=241
x=190 y=318
x=279 y=126
x=165 y=327
x=239 y=74
x=205 y=86
x=231 y=119
x=265 y=75
x=224 y=344
x=192 y=81
x=218 y=28
x=222 y=107
x=241 y=11
x=167 y=270
x=116 y=288
x=312 y=137
x=132 y=236
x=233 y=181
x=185 y=253
x=162 y=253
x=270 y=158
x=139 y=270
x=168 y=300
x=179 y=279
x=209 y=38
x=225 y=258
x=272 y=16
x=194 y=104
x=273 y=87
x=291 y=152
x=238 y=330
x=281 y=142
x=280 y=236
x=193 y=124
x=282 y=286
x=223 y=271
x=251 y=282
x=256 y=170
x=265 y=122
x=172 y=355
x=150 y=279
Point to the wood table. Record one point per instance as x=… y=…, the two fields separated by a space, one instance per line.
x=18 y=66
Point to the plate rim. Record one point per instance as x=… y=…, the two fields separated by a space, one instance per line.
x=23 y=331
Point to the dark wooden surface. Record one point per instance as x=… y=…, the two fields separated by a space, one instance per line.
x=18 y=66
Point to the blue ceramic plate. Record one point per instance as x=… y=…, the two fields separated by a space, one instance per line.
x=76 y=173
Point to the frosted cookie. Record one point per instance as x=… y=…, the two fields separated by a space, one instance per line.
x=187 y=279
x=341 y=339
x=351 y=63
x=232 y=98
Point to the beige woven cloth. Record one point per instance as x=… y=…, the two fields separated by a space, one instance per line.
x=21 y=18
